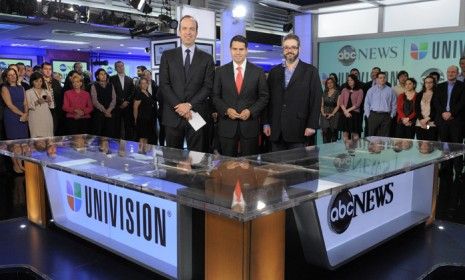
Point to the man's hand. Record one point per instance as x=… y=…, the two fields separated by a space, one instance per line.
x=183 y=109
x=245 y=114
x=446 y=116
x=267 y=130
x=309 y=132
x=124 y=105
x=232 y=114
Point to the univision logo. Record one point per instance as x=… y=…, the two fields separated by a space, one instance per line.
x=347 y=55
x=418 y=52
x=345 y=206
x=74 y=196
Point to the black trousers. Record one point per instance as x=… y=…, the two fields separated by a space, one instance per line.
x=231 y=146
x=282 y=145
x=430 y=134
x=124 y=122
x=79 y=126
x=379 y=124
x=403 y=131
x=195 y=139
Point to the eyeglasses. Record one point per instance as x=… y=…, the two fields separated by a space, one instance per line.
x=291 y=48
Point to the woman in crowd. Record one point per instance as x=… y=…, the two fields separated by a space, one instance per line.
x=406 y=110
x=104 y=101
x=424 y=127
x=350 y=122
x=335 y=79
x=15 y=112
x=329 y=111
x=145 y=113
x=69 y=80
x=77 y=105
x=39 y=102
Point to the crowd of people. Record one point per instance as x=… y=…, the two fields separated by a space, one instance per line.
x=243 y=108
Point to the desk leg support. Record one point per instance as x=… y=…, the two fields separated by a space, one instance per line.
x=35 y=194
x=435 y=196
x=251 y=250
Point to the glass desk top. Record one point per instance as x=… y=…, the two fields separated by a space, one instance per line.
x=239 y=188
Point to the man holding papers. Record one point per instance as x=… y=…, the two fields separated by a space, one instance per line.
x=240 y=93
x=186 y=80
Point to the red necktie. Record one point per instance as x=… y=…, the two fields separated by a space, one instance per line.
x=239 y=79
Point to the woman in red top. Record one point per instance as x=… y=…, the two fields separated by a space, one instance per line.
x=77 y=105
x=406 y=111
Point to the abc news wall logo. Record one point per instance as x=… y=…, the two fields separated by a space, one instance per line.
x=345 y=206
x=347 y=55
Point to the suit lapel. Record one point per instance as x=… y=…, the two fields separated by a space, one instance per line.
x=179 y=60
x=230 y=73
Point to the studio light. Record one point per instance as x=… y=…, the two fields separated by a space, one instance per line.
x=288 y=26
x=239 y=11
x=168 y=21
x=143 y=28
x=141 y=5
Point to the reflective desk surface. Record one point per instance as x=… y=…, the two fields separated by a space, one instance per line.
x=238 y=188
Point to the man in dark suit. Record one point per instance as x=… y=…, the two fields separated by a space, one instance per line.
x=124 y=89
x=240 y=94
x=295 y=92
x=449 y=103
x=186 y=80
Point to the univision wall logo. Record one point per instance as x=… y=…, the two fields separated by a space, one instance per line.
x=347 y=55
x=345 y=206
x=74 y=196
x=418 y=52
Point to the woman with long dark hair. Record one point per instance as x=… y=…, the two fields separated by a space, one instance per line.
x=406 y=115
x=145 y=113
x=424 y=127
x=104 y=100
x=39 y=102
x=329 y=111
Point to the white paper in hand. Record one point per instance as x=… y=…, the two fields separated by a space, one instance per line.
x=197 y=122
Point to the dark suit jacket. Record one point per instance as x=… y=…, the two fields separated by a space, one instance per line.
x=296 y=107
x=457 y=101
x=123 y=95
x=175 y=88
x=253 y=96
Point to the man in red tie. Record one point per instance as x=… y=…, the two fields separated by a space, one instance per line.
x=240 y=93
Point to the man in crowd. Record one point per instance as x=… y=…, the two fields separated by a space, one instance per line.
x=55 y=87
x=402 y=77
x=186 y=80
x=140 y=74
x=86 y=82
x=240 y=94
x=380 y=107
x=295 y=98
x=449 y=103
x=461 y=76
x=123 y=114
x=28 y=73
x=21 y=73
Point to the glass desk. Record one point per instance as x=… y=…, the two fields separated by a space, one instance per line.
x=138 y=200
